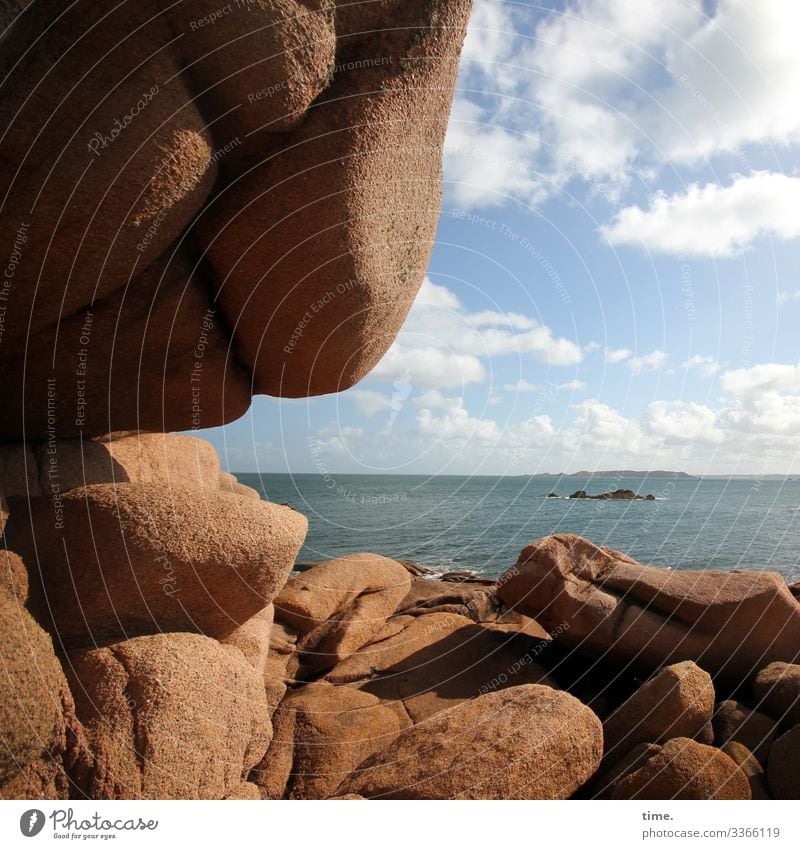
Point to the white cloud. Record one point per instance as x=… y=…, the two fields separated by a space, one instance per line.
x=751 y=427
x=370 y=402
x=522 y=385
x=432 y=399
x=608 y=89
x=456 y=424
x=574 y=385
x=786 y=297
x=712 y=220
x=617 y=355
x=682 y=422
x=705 y=365
x=443 y=345
x=654 y=361
x=428 y=366
x=765 y=377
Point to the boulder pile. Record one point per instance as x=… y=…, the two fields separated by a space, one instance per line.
x=161 y=644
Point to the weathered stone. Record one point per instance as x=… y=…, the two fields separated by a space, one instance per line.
x=749 y=765
x=684 y=769
x=623 y=611
x=439 y=660
x=676 y=702
x=32 y=695
x=239 y=174
x=169 y=716
x=777 y=691
x=527 y=742
x=783 y=767
x=338 y=606
x=735 y=722
x=322 y=733
x=252 y=638
x=124 y=564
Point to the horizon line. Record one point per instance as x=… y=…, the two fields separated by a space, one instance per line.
x=524 y=474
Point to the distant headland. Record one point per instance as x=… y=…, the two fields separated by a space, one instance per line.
x=620 y=474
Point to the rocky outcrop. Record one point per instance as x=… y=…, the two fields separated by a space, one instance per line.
x=147 y=574
x=749 y=765
x=684 y=769
x=39 y=736
x=676 y=702
x=55 y=466
x=322 y=734
x=339 y=606
x=734 y=722
x=613 y=495
x=169 y=716
x=438 y=660
x=617 y=609
x=783 y=767
x=527 y=742
x=777 y=691
x=268 y=236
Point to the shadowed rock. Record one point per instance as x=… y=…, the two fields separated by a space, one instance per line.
x=527 y=742
x=730 y=623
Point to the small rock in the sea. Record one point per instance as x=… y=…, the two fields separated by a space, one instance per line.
x=615 y=495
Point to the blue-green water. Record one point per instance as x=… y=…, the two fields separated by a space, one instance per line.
x=481 y=523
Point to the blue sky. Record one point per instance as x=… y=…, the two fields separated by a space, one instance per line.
x=616 y=276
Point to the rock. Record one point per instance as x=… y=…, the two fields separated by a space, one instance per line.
x=33 y=692
x=615 y=495
x=196 y=219
x=163 y=458
x=676 y=702
x=610 y=606
x=777 y=691
x=551 y=495
x=343 y=231
x=417 y=570
x=735 y=722
x=123 y=563
x=749 y=765
x=322 y=734
x=603 y=787
x=283 y=659
x=3 y=511
x=439 y=660
x=705 y=735
x=783 y=768
x=13 y=577
x=252 y=638
x=338 y=606
x=684 y=769
x=229 y=483
x=478 y=603
x=169 y=716
x=19 y=471
x=527 y=742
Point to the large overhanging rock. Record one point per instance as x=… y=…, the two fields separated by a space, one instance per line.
x=248 y=207
x=606 y=604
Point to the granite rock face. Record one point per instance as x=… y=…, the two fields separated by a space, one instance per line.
x=169 y=716
x=685 y=769
x=136 y=558
x=676 y=702
x=527 y=742
x=730 y=623
x=198 y=213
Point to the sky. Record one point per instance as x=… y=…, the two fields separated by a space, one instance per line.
x=615 y=281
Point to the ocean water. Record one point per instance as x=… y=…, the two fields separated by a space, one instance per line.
x=482 y=523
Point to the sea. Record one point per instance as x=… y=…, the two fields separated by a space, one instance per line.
x=480 y=524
